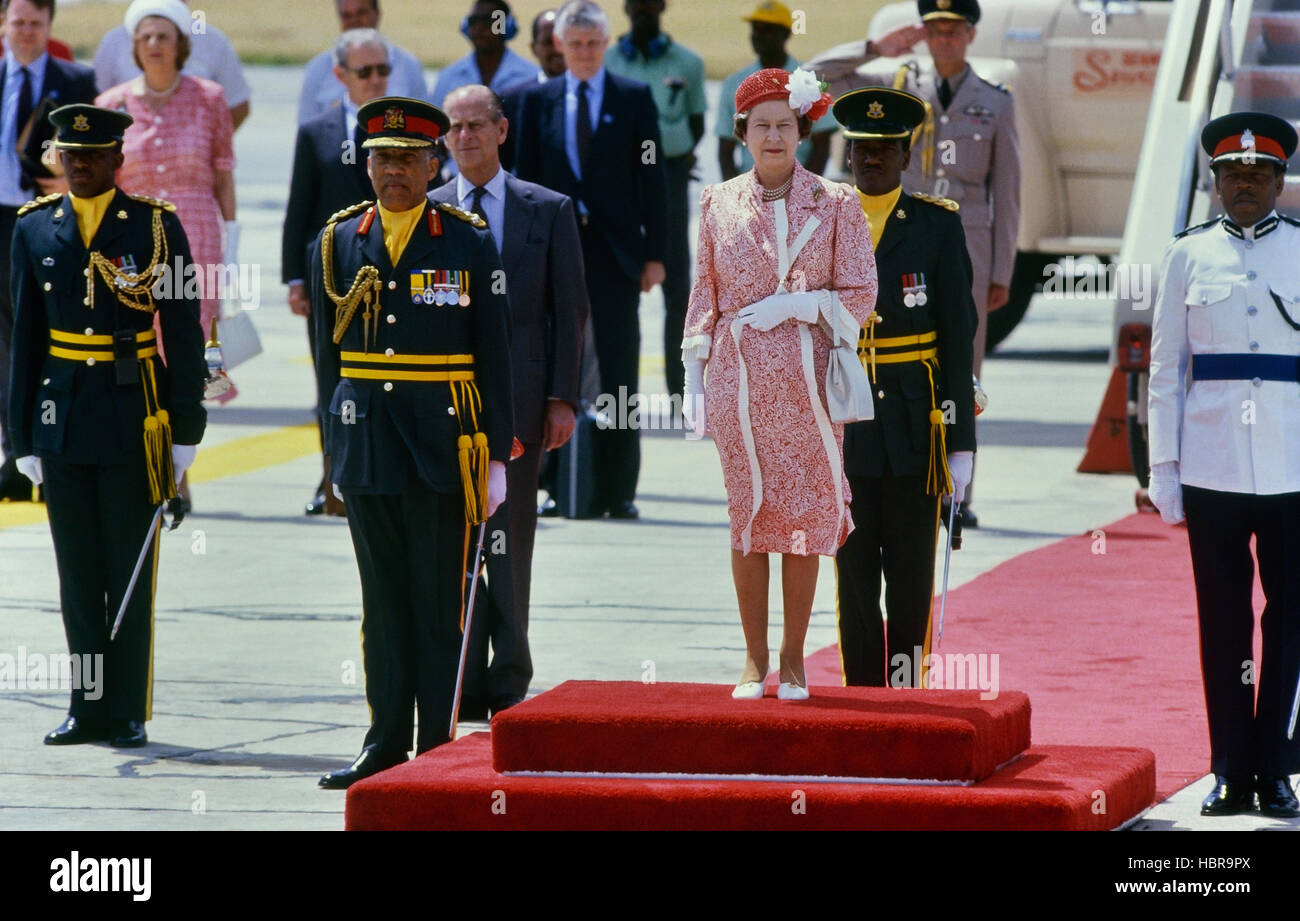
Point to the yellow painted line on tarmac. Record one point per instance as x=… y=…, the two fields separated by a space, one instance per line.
x=231 y=458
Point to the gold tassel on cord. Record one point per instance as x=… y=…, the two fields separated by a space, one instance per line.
x=157 y=441
x=938 y=480
x=481 y=483
x=471 y=451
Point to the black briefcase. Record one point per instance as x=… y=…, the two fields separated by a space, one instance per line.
x=575 y=477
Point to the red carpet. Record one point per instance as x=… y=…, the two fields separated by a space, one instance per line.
x=631 y=727
x=1104 y=644
x=454 y=788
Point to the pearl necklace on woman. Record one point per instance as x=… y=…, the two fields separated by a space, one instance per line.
x=780 y=191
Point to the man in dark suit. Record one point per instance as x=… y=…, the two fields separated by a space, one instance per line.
x=417 y=385
x=537 y=237
x=329 y=173
x=917 y=350
x=86 y=408
x=551 y=64
x=30 y=80
x=595 y=137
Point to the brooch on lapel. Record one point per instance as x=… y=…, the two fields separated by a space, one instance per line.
x=817 y=193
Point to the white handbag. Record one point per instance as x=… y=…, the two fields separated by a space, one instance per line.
x=848 y=389
x=239 y=339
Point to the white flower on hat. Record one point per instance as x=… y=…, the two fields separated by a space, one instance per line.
x=805 y=90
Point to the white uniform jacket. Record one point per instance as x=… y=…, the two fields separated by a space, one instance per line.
x=1228 y=290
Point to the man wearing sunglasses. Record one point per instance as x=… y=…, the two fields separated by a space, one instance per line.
x=329 y=173
x=321 y=92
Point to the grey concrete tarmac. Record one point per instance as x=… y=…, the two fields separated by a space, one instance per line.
x=257 y=685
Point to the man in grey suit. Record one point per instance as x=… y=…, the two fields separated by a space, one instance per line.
x=537 y=236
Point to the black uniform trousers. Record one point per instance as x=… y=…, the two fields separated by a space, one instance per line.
x=99 y=517
x=677 y=268
x=615 y=300
x=895 y=532
x=501 y=606
x=410 y=550
x=1247 y=731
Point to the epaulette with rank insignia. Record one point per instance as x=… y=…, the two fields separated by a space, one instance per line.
x=1195 y=227
x=349 y=211
x=466 y=216
x=156 y=202
x=946 y=203
x=40 y=202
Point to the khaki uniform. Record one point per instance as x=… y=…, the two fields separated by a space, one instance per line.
x=971 y=155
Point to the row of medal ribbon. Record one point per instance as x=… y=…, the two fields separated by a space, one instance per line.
x=445 y=287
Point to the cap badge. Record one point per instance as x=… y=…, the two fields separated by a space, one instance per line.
x=394 y=120
x=944 y=4
x=80 y=123
x=1247 y=138
x=875 y=110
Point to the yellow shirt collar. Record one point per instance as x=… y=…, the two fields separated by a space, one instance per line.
x=878 y=208
x=90 y=211
x=398 y=226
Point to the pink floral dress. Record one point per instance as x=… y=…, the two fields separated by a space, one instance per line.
x=782 y=458
x=173 y=154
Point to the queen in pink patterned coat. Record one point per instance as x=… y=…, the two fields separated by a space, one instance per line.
x=784 y=263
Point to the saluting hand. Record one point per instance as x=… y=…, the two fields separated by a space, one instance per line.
x=897 y=41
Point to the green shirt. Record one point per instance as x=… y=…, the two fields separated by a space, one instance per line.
x=675 y=65
x=727 y=111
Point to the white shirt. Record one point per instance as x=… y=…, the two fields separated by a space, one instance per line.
x=211 y=56
x=321 y=90
x=1216 y=297
x=595 y=96
x=513 y=69
x=11 y=191
x=494 y=202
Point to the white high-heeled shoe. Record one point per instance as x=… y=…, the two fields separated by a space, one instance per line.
x=748 y=690
x=791 y=691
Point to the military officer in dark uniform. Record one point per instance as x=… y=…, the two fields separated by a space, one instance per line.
x=916 y=348
x=1225 y=448
x=93 y=412
x=413 y=364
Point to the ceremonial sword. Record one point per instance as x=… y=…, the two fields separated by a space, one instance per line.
x=1295 y=710
x=469 y=619
x=177 y=516
x=952 y=543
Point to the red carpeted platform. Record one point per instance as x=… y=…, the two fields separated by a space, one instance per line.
x=1100 y=631
x=455 y=788
x=628 y=726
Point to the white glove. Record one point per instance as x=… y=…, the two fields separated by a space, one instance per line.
x=496 y=486
x=1166 y=491
x=693 y=397
x=30 y=467
x=961 y=464
x=230 y=252
x=182 y=457
x=337 y=495
x=775 y=309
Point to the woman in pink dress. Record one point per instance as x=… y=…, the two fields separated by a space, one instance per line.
x=179 y=148
x=784 y=259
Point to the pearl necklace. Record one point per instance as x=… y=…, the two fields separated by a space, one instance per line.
x=780 y=191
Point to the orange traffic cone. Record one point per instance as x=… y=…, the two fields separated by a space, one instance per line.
x=1107 y=450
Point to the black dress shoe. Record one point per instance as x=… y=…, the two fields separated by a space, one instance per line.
x=317 y=504
x=370 y=761
x=73 y=731
x=505 y=703
x=548 y=509
x=1229 y=797
x=968 y=519
x=1276 y=798
x=129 y=734
x=624 y=510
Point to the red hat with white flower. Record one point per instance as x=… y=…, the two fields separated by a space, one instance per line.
x=806 y=95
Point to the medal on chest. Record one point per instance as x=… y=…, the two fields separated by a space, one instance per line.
x=914 y=290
